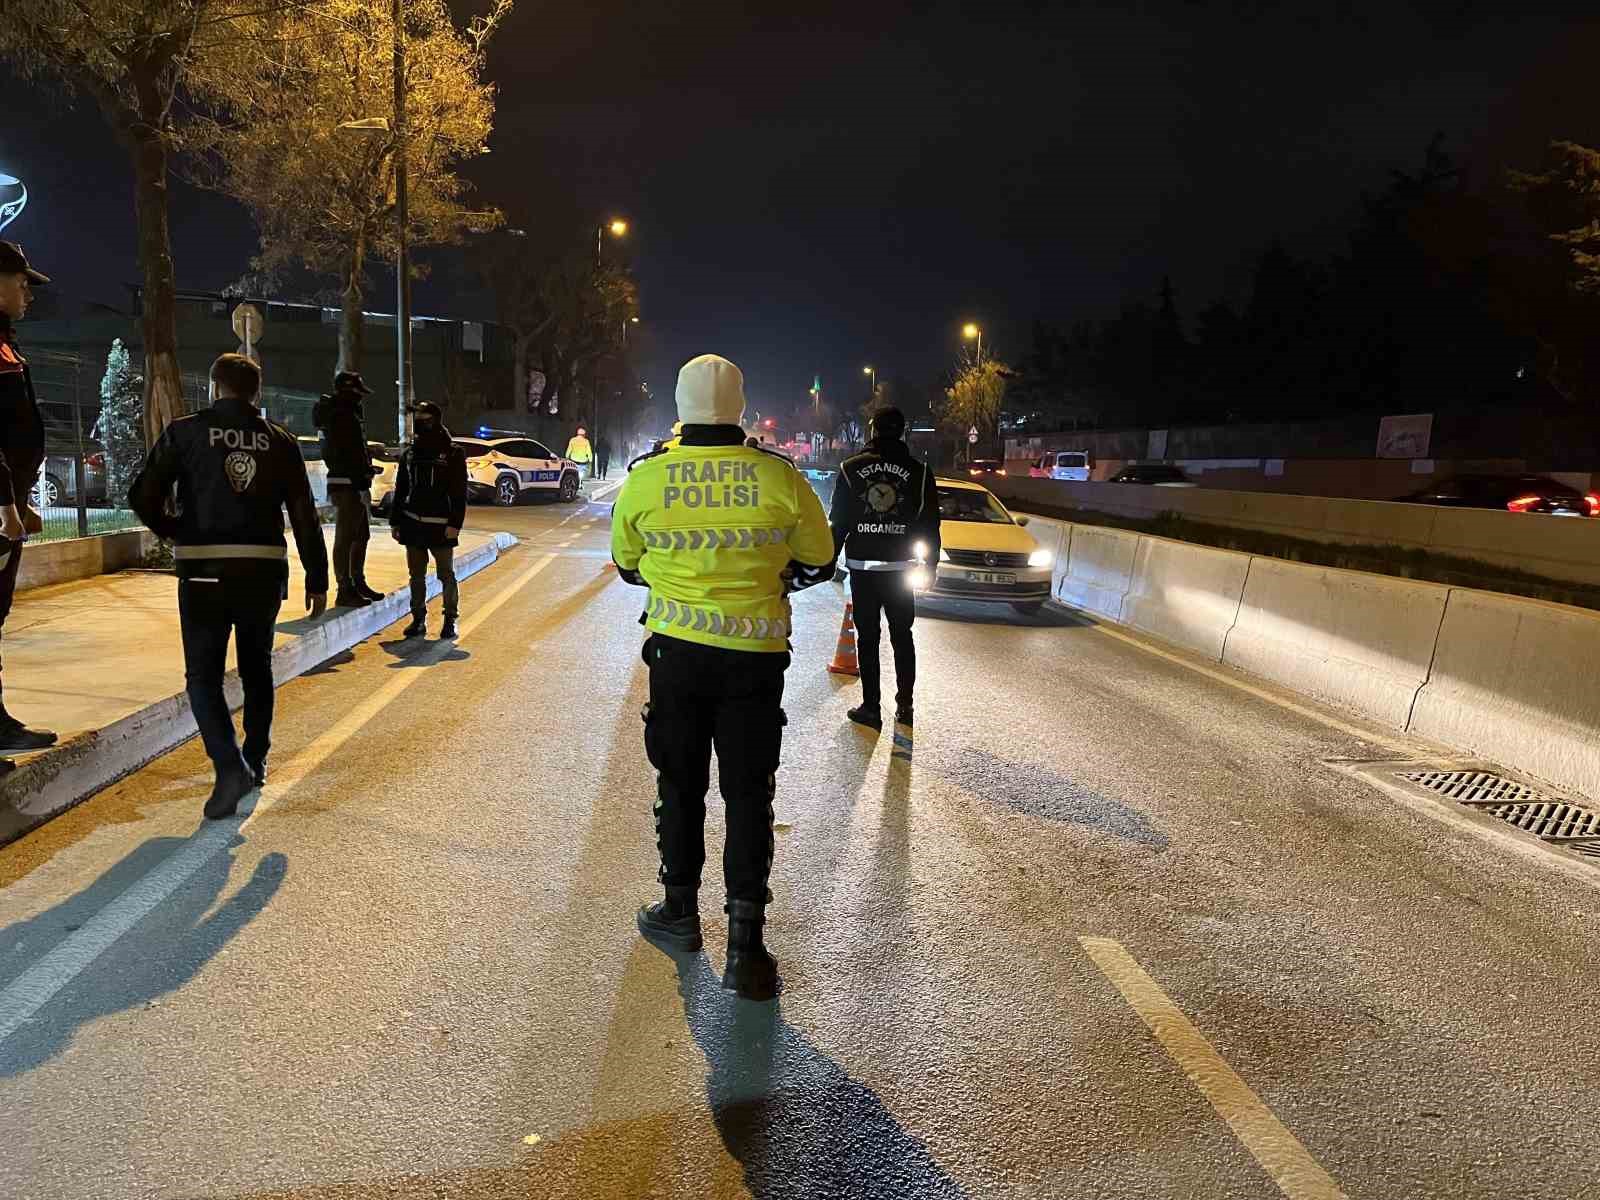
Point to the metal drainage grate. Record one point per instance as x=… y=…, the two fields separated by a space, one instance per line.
x=1549 y=817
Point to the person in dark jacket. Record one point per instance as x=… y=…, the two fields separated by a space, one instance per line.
x=350 y=473
x=602 y=455
x=234 y=472
x=430 y=507
x=885 y=520
x=21 y=457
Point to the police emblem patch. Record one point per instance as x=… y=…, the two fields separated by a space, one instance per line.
x=881 y=497
x=241 y=470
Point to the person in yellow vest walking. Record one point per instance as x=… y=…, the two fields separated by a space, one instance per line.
x=721 y=533
x=581 y=452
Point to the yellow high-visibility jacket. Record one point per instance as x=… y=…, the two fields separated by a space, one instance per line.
x=713 y=530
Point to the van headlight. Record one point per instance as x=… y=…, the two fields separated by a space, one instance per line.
x=944 y=555
x=917 y=579
x=1040 y=558
x=920 y=550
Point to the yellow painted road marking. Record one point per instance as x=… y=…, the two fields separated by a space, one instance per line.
x=40 y=983
x=1407 y=748
x=1292 y=1168
x=317 y=752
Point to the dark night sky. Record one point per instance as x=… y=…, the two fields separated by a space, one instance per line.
x=815 y=190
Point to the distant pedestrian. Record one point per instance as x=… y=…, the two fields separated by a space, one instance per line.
x=430 y=507
x=21 y=458
x=885 y=503
x=235 y=472
x=343 y=430
x=581 y=452
x=602 y=456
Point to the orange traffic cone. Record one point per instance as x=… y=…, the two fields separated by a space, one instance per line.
x=844 y=658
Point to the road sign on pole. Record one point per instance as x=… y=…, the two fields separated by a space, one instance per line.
x=247 y=326
x=972 y=436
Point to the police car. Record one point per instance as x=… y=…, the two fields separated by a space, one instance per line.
x=502 y=470
x=985 y=553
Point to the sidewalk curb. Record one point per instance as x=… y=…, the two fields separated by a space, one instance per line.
x=52 y=782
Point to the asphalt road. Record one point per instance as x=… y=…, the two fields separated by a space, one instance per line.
x=1109 y=928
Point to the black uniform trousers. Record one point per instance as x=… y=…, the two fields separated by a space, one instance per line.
x=209 y=610
x=352 y=529
x=703 y=697
x=875 y=595
x=8 y=589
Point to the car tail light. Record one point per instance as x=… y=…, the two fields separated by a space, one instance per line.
x=1001 y=471
x=974 y=472
x=1593 y=501
x=97 y=461
x=1522 y=503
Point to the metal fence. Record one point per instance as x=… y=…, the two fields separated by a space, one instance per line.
x=72 y=496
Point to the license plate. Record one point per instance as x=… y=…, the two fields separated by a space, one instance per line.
x=998 y=577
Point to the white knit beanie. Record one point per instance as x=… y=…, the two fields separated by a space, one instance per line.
x=710 y=392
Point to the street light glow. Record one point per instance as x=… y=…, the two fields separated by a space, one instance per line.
x=619 y=228
x=866 y=370
x=969 y=331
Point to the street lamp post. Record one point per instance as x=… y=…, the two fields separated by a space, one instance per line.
x=618 y=228
x=405 y=387
x=873 y=372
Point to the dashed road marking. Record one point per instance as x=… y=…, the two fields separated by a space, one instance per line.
x=1280 y=1153
x=40 y=983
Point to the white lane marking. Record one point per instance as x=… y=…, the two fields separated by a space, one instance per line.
x=606 y=490
x=39 y=984
x=1407 y=748
x=1269 y=1141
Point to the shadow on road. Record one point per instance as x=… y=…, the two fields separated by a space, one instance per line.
x=331 y=665
x=965 y=612
x=796 y=1121
x=421 y=652
x=183 y=931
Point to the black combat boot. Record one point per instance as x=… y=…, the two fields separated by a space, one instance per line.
x=751 y=971
x=673 y=923
x=417 y=628
x=868 y=715
x=366 y=589
x=447 y=631
x=232 y=786
x=903 y=713
x=350 y=598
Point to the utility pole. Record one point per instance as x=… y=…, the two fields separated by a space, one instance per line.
x=405 y=388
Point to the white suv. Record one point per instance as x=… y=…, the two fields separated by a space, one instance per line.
x=503 y=469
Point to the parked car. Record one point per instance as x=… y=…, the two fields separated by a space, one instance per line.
x=1153 y=475
x=979 y=467
x=986 y=554
x=504 y=469
x=1515 y=493
x=386 y=461
x=58 y=480
x=316 y=469
x=822 y=482
x=1062 y=464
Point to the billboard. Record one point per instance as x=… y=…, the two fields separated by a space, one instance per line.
x=1405 y=436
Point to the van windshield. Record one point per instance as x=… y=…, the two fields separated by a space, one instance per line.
x=1072 y=460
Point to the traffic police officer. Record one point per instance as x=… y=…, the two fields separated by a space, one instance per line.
x=885 y=519
x=235 y=472
x=21 y=457
x=721 y=533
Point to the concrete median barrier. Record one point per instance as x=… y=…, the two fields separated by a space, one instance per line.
x=1346 y=637
x=1517 y=681
x=1185 y=594
x=1099 y=570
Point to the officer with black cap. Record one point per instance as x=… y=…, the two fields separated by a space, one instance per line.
x=235 y=472
x=21 y=457
x=350 y=473
x=430 y=507
x=885 y=519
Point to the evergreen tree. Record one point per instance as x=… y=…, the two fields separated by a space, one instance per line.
x=121 y=424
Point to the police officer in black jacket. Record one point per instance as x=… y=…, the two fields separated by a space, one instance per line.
x=350 y=473
x=884 y=504
x=21 y=457
x=430 y=507
x=235 y=472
